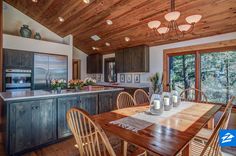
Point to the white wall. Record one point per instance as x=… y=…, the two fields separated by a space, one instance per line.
x=156 y=52
x=13 y=19
x=78 y=54
x=32 y=45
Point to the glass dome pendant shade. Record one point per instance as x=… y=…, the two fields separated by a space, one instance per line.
x=184 y=27
x=172 y=16
x=162 y=30
x=193 y=19
x=154 y=24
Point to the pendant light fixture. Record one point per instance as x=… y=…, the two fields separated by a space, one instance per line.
x=173 y=30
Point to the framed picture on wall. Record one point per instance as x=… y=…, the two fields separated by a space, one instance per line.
x=136 y=78
x=129 y=78
x=122 y=78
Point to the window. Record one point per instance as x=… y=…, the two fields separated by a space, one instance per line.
x=216 y=70
x=182 y=72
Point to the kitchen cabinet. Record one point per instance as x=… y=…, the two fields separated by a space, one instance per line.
x=128 y=60
x=106 y=102
x=64 y=104
x=17 y=59
x=140 y=58
x=32 y=123
x=89 y=102
x=119 y=61
x=94 y=64
x=134 y=59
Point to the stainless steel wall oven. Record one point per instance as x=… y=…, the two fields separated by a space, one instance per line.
x=18 y=79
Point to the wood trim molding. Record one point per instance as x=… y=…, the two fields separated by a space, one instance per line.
x=202 y=47
x=1 y=52
x=196 y=49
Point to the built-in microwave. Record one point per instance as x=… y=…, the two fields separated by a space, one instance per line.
x=18 y=79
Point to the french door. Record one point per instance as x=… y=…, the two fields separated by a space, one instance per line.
x=212 y=71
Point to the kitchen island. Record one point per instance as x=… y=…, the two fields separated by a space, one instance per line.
x=33 y=119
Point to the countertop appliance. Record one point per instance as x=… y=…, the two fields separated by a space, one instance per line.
x=18 y=79
x=48 y=67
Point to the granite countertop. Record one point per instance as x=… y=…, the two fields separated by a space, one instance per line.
x=21 y=95
x=125 y=85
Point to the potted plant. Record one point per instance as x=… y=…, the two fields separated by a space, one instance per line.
x=76 y=84
x=156 y=83
x=58 y=85
x=89 y=82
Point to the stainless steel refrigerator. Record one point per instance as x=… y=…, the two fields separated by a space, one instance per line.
x=49 y=67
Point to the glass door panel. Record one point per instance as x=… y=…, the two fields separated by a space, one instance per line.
x=218 y=75
x=182 y=72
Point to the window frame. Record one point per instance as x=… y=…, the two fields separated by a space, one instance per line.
x=197 y=53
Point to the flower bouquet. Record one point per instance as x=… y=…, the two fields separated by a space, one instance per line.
x=89 y=82
x=58 y=85
x=76 y=84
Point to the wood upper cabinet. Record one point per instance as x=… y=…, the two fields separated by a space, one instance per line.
x=64 y=104
x=119 y=61
x=94 y=64
x=134 y=59
x=140 y=58
x=32 y=123
x=128 y=60
x=18 y=59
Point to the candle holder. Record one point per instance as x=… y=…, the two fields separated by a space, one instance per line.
x=156 y=106
x=166 y=99
x=175 y=99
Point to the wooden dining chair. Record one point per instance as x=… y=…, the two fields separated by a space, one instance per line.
x=125 y=100
x=204 y=134
x=212 y=148
x=141 y=97
x=90 y=138
x=193 y=94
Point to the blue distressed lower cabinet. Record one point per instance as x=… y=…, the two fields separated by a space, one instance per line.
x=64 y=104
x=89 y=102
x=34 y=123
x=31 y=123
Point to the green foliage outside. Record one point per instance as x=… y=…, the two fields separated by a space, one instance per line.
x=218 y=74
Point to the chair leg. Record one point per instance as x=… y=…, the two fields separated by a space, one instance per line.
x=210 y=124
x=125 y=148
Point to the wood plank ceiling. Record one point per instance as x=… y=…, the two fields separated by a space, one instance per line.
x=130 y=18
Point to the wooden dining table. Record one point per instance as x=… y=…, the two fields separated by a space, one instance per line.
x=166 y=137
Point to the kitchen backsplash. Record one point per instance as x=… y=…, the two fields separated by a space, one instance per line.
x=97 y=77
x=124 y=77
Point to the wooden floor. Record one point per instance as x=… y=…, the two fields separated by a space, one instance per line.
x=67 y=147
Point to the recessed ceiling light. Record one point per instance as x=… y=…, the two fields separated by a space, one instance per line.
x=107 y=44
x=95 y=37
x=35 y=1
x=86 y=1
x=109 y=22
x=127 y=39
x=95 y=48
x=61 y=19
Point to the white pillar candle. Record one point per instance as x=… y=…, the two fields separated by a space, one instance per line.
x=166 y=101
x=157 y=104
x=175 y=98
